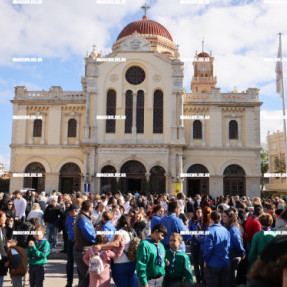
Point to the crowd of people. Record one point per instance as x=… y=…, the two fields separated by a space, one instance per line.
x=136 y=240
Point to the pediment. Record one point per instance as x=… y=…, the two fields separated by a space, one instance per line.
x=135 y=42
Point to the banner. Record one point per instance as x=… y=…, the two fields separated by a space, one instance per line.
x=177 y=188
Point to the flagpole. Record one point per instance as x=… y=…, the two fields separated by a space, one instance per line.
x=283 y=102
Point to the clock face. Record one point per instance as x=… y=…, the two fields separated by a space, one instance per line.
x=135 y=75
x=203 y=68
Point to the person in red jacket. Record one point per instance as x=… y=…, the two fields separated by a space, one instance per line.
x=252 y=225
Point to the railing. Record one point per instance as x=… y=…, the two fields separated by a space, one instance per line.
x=251 y=95
x=55 y=93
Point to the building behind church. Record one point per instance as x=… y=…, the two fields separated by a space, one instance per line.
x=164 y=139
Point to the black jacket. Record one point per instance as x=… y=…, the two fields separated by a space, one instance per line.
x=53 y=214
x=25 y=238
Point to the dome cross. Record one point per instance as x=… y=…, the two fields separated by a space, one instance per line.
x=145 y=7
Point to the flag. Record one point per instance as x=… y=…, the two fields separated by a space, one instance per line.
x=278 y=70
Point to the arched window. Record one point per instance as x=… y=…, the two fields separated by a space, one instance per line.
x=233 y=130
x=234 y=182
x=158 y=112
x=72 y=128
x=197 y=129
x=111 y=111
x=108 y=184
x=140 y=112
x=37 y=129
x=198 y=184
x=70 y=178
x=157 y=180
x=35 y=182
x=129 y=112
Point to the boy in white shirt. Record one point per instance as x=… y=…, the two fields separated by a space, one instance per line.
x=20 y=204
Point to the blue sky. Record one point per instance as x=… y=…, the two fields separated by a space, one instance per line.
x=241 y=34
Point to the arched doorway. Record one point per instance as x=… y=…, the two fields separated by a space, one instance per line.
x=157 y=180
x=197 y=185
x=70 y=178
x=108 y=183
x=234 y=180
x=135 y=177
x=35 y=182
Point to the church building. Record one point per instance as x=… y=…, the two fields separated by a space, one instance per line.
x=134 y=127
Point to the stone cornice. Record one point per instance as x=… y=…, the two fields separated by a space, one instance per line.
x=198 y=148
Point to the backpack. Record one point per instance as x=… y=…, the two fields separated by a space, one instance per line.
x=96 y=265
x=20 y=268
x=132 y=252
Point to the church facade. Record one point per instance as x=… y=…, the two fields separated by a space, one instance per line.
x=134 y=127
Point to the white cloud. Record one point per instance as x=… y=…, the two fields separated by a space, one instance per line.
x=58 y=28
x=239 y=36
x=270 y=121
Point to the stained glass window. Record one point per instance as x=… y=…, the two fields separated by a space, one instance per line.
x=158 y=112
x=111 y=111
x=197 y=129
x=140 y=112
x=37 y=129
x=233 y=130
x=129 y=112
x=135 y=75
x=72 y=128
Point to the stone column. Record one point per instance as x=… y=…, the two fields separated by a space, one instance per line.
x=31 y=132
x=86 y=164
x=191 y=133
x=203 y=132
x=66 y=131
x=239 y=132
x=179 y=170
x=147 y=177
x=92 y=170
x=180 y=109
x=96 y=170
x=87 y=120
x=167 y=176
x=216 y=185
x=43 y=130
x=227 y=133
x=51 y=181
x=78 y=130
x=177 y=109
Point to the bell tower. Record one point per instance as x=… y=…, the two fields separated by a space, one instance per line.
x=203 y=80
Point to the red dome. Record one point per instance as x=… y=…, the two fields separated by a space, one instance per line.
x=145 y=26
x=203 y=55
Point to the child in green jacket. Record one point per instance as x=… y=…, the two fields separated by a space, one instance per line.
x=38 y=252
x=178 y=267
x=150 y=258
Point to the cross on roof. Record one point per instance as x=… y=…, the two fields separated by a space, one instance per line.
x=145 y=7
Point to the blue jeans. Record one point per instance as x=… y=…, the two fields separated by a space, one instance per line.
x=1 y=281
x=52 y=232
x=124 y=274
